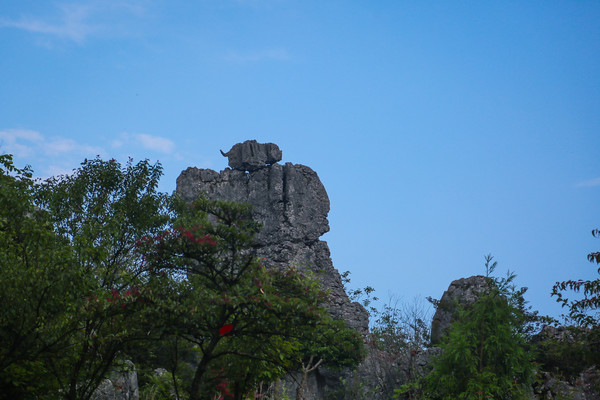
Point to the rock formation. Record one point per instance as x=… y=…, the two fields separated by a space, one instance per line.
x=291 y=203
x=549 y=385
x=122 y=384
x=580 y=381
x=462 y=292
x=251 y=155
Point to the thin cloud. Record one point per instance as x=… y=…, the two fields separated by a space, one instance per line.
x=256 y=56
x=73 y=23
x=25 y=134
x=20 y=142
x=51 y=156
x=61 y=146
x=149 y=142
x=589 y=183
x=54 y=155
x=156 y=143
x=76 y=21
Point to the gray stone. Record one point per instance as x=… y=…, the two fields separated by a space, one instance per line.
x=461 y=292
x=292 y=204
x=558 y=333
x=381 y=373
x=122 y=384
x=251 y=155
x=552 y=388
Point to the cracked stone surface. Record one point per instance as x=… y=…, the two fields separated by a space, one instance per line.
x=463 y=292
x=292 y=204
x=251 y=155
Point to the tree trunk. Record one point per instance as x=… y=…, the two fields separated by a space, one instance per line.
x=306 y=369
x=302 y=384
x=277 y=390
x=201 y=369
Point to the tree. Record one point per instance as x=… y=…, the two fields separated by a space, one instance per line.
x=579 y=310
x=40 y=285
x=101 y=210
x=332 y=344
x=246 y=321
x=485 y=353
x=97 y=264
x=584 y=313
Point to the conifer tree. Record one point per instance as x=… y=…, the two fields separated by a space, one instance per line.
x=485 y=353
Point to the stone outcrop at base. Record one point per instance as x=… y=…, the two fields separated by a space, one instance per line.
x=122 y=384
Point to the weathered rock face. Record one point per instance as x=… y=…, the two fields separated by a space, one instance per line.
x=381 y=373
x=291 y=203
x=122 y=384
x=557 y=333
x=584 y=387
x=251 y=155
x=579 y=382
x=462 y=292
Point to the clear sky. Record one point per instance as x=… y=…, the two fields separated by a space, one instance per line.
x=442 y=130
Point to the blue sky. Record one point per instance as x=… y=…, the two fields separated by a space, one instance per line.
x=442 y=130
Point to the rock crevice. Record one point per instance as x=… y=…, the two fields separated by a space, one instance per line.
x=291 y=203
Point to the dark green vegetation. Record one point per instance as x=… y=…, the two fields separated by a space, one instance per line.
x=97 y=267
x=583 y=311
x=582 y=347
x=485 y=353
x=493 y=350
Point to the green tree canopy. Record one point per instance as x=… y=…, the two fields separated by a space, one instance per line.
x=583 y=311
x=98 y=264
x=73 y=282
x=250 y=323
x=40 y=288
x=101 y=210
x=485 y=353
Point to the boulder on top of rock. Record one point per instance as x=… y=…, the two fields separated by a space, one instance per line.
x=251 y=155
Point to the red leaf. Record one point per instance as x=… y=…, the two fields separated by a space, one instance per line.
x=226 y=330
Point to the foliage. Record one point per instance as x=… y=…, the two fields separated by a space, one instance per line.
x=585 y=346
x=332 y=344
x=98 y=266
x=73 y=290
x=40 y=284
x=529 y=321
x=395 y=327
x=403 y=327
x=485 y=353
x=101 y=210
x=352 y=388
x=579 y=310
x=247 y=322
x=399 y=332
x=164 y=367
x=568 y=356
x=363 y=296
